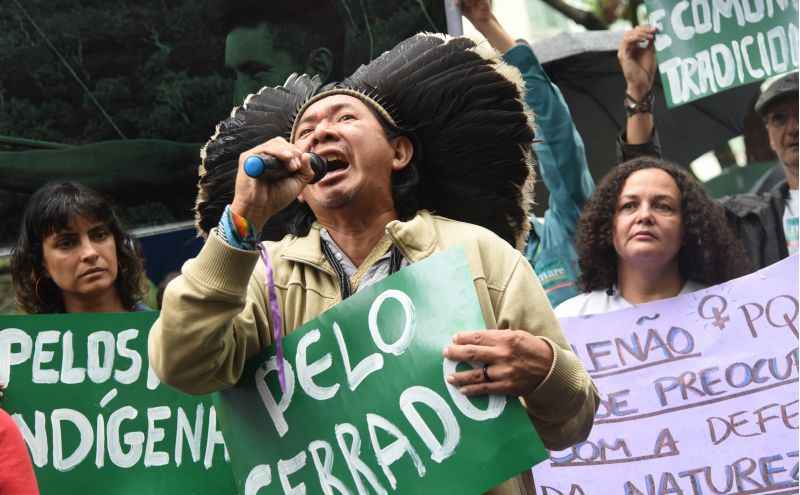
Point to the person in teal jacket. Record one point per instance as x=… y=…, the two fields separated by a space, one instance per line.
x=561 y=156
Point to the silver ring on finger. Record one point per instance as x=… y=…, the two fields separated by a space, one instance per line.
x=486 y=377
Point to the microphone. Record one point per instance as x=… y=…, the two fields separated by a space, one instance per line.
x=270 y=169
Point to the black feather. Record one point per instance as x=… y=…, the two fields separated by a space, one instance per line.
x=469 y=124
x=263 y=116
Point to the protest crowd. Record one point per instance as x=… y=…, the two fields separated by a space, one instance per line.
x=431 y=147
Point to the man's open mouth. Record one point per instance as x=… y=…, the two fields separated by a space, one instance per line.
x=337 y=164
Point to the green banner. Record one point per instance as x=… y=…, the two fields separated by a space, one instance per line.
x=95 y=417
x=707 y=46
x=367 y=408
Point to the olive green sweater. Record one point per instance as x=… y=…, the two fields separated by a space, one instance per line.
x=215 y=316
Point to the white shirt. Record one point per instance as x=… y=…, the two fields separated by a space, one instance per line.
x=790 y=222
x=598 y=301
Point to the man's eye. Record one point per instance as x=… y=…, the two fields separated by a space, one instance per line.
x=304 y=132
x=255 y=70
x=347 y=116
x=261 y=75
x=778 y=119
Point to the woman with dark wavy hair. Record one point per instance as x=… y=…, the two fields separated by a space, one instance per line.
x=72 y=255
x=649 y=232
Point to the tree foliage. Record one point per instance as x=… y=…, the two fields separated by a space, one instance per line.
x=154 y=66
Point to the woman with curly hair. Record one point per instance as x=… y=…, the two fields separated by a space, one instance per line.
x=72 y=255
x=649 y=232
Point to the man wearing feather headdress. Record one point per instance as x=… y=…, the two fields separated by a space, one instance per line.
x=428 y=148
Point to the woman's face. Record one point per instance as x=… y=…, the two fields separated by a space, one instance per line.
x=81 y=259
x=648 y=222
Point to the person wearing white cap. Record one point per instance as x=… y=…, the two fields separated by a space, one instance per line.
x=778 y=106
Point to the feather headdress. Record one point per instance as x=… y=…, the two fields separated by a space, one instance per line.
x=471 y=131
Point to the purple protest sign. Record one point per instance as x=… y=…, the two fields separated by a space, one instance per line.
x=699 y=394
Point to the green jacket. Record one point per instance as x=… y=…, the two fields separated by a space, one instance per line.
x=214 y=315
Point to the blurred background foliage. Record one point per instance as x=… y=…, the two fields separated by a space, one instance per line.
x=154 y=66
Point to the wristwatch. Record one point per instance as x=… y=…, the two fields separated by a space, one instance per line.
x=633 y=106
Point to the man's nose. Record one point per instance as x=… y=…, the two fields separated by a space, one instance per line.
x=791 y=123
x=323 y=132
x=242 y=87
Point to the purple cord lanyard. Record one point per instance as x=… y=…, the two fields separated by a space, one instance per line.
x=275 y=312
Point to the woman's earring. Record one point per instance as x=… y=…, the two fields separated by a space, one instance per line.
x=36 y=288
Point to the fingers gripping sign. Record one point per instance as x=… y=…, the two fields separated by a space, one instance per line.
x=258 y=200
x=637 y=57
x=514 y=362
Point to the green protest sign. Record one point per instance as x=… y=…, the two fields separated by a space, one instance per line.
x=94 y=416
x=707 y=46
x=367 y=408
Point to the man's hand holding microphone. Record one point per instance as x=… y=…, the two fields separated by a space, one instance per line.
x=270 y=177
